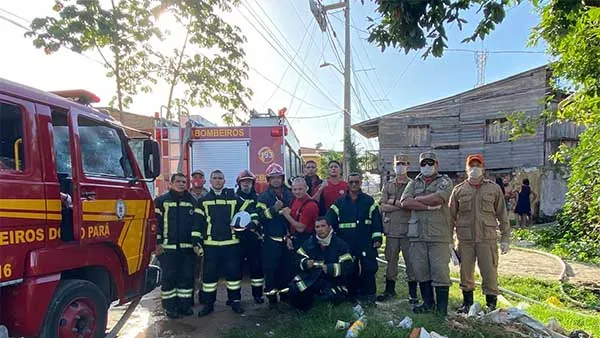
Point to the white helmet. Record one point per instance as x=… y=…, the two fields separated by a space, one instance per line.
x=240 y=221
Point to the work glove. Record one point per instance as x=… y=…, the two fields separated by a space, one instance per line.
x=198 y=250
x=504 y=248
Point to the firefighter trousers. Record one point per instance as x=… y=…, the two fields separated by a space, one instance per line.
x=325 y=288
x=362 y=282
x=252 y=255
x=177 y=279
x=486 y=255
x=221 y=260
x=393 y=247
x=275 y=259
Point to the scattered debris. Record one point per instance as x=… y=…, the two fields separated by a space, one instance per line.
x=554 y=325
x=342 y=325
x=405 y=323
x=475 y=310
x=358 y=311
x=579 y=334
x=420 y=332
x=356 y=327
x=270 y=334
x=554 y=301
x=257 y=324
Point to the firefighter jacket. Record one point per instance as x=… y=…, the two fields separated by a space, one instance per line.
x=249 y=206
x=356 y=222
x=273 y=224
x=178 y=220
x=216 y=212
x=336 y=257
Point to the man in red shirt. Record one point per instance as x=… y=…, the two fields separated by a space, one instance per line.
x=302 y=215
x=332 y=189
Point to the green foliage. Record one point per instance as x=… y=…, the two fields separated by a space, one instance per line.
x=354 y=162
x=325 y=158
x=413 y=25
x=125 y=34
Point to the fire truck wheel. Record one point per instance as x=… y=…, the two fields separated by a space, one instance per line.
x=78 y=310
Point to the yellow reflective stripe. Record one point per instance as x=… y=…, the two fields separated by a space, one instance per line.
x=257 y=282
x=245 y=205
x=301 y=285
x=277 y=239
x=368 y=221
x=376 y=234
x=169 y=294
x=268 y=214
x=185 y=293
x=185 y=245
x=345 y=257
x=157 y=211
x=166 y=223
x=302 y=252
x=236 y=285
x=253 y=215
x=208 y=219
x=372 y=208
x=169 y=246
x=301 y=262
x=335 y=208
x=199 y=211
x=265 y=209
x=186 y=204
x=261 y=205
x=221 y=243
x=196 y=234
x=347 y=225
x=209 y=287
x=337 y=269
x=232 y=203
x=158 y=236
x=170 y=204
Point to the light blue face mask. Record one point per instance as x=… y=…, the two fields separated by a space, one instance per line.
x=428 y=170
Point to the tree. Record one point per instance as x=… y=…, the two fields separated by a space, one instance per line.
x=207 y=78
x=119 y=33
x=324 y=160
x=368 y=161
x=354 y=163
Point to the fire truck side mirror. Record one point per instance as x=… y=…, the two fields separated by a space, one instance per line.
x=151 y=159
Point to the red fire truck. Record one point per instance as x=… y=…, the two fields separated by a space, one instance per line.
x=267 y=139
x=77 y=222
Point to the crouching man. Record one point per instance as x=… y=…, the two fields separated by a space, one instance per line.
x=325 y=263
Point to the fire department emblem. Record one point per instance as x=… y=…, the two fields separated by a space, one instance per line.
x=120 y=209
x=265 y=155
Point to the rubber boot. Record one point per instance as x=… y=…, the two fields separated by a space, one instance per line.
x=186 y=312
x=173 y=315
x=390 y=291
x=206 y=310
x=259 y=300
x=427 y=294
x=236 y=306
x=413 y=300
x=272 y=302
x=491 y=301
x=467 y=302
x=441 y=298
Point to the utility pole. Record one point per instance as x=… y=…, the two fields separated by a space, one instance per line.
x=320 y=11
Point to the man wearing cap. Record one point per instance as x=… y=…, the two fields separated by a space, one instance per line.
x=395 y=225
x=250 y=238
x=477 y=209
x=430 y=233
x=222 y=250
x=198 y=191
x=275 y=229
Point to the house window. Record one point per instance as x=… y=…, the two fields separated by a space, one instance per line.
x=418 y=136
x=497 y=130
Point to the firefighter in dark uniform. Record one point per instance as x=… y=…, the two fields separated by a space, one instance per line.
x=357 y=220
x=178 y=238
x=250 y=238
x=222 y=249
x=324 y=262
x=275 y=231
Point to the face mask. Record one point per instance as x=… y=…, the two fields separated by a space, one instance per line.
x=198 y=182
x=428 y=170
x=475 y=172
x=401 y=169
x=325 y=241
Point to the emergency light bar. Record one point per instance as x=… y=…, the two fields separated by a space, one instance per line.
x=78 y=95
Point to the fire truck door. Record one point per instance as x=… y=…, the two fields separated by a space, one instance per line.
x=114 y=205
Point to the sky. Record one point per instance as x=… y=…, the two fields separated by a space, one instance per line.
x=281 y=33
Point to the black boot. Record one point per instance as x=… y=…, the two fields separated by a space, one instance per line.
x=236 y=306
x=467 y=302
x=390 y=291
x=206 y=310
x=427 y=294
x=173 y=314
x=259 y=300
x=186 y=312
x=272 y=302
x=412 y=294
x=490 y=302
x=441 y=298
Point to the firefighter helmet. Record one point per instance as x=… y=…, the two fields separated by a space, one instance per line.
x=240 y=221
x=245 y=175
x=274 y=169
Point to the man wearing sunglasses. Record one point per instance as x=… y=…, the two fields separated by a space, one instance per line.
x=356 y=219
x=430 y=233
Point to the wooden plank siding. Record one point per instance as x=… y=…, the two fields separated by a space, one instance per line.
x=457 y=126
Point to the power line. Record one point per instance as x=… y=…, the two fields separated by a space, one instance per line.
x=15 y=15
x=405 y=70
x=496 y=51
x=315 y=117
x=14 y=23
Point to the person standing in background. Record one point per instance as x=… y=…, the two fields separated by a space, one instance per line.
x=523 y=208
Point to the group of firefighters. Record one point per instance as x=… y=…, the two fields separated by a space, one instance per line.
x=320 y=239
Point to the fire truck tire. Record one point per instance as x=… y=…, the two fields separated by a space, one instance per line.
x=78 y=309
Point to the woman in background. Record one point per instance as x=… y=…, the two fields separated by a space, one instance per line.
x=523 y=208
